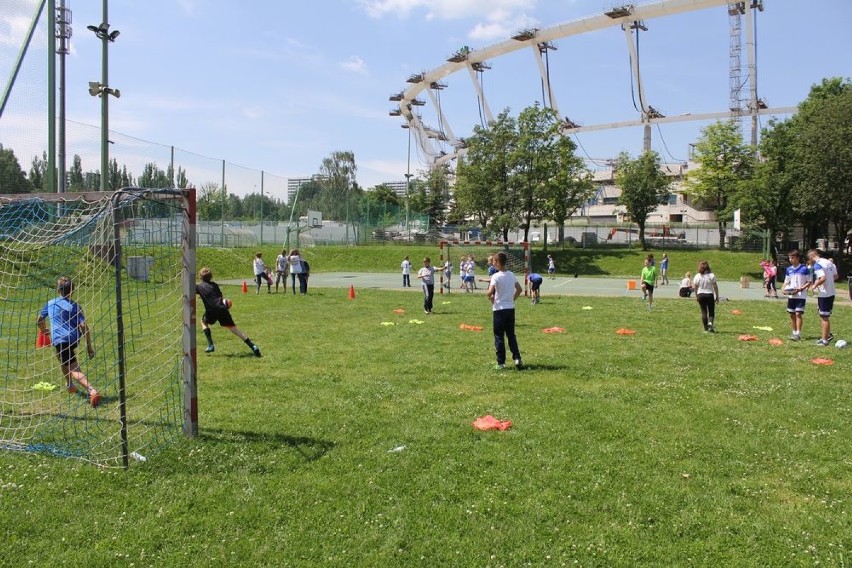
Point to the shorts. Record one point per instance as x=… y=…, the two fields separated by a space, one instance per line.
x=65 y=353
x=222 y=316
x=535 y=284
x=796 y=305
x=551 y=270
x=648 y=287
x=824 y=305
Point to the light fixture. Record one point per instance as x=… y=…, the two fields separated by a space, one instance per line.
x=102 y=31
x=95 y=88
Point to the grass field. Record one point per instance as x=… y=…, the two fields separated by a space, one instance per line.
x=350 y=444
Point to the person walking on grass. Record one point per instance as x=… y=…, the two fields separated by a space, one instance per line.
x=260 y=273
x=796 y=282
x=770 y=271
x=707 y=294
x=825 y=273
x=67 y=326
x=215 y=310
x=406 y=272
x=649 y=280
x=426 y=275
x=664 y=270
x=503 y=290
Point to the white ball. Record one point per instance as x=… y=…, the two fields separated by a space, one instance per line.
x=840 y=344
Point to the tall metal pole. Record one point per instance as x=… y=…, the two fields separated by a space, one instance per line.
x=261 y=207
x=408 y=187
x=105 y=99
x=51 y=97
x=224 y=202
x=63 y=32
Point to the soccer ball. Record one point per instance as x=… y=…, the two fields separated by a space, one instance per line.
x=228 y=303
x=840 y=344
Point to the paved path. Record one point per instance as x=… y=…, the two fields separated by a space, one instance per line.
x=588 y=286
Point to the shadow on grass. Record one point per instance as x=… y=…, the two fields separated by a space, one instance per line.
x=311 y=449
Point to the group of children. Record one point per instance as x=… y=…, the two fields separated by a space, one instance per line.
x=291 y=263
x=816 y=274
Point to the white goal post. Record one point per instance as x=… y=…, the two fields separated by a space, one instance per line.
x=518 y=254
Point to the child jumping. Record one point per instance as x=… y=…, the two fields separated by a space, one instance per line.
x=215 y=310
x=67 y=325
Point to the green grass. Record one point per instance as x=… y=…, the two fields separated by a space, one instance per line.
x=670 y=447
x=614 y=262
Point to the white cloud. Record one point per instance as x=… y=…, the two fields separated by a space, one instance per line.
x=355 y=64
x=501 y=25
x=253 y=112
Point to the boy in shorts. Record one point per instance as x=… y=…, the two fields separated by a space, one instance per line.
x=67 y=325
x=796 y=282
x=216 y=311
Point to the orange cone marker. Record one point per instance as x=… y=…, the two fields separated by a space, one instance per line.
x=245 y=287
x=352 y=291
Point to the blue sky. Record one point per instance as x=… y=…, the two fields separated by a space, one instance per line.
x=278 y=85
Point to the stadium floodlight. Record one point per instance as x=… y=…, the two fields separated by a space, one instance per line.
x=95 y=88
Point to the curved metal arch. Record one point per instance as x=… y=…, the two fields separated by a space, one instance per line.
x=471 y=59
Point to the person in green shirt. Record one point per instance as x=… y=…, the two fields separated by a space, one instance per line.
x=649 y=280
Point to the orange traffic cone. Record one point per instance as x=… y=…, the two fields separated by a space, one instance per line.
x=352 y=291
x=245 y=287
x=43 y=339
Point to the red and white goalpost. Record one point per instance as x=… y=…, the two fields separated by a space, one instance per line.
x=518 y=254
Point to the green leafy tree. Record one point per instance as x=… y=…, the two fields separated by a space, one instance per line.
x=766 y=199
x=340 y=192
x=437 y=194
x=210 y=202
x=533 y=162
x=12 y=177
x=38 y=172
x=181 y=180
x=822 y=155
x=643 y=187
x=154 y=178
x=76 y=180
x=483 y=190
x=725 y=161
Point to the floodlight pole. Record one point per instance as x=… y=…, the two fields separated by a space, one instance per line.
x=408 y=188
x=105 y=100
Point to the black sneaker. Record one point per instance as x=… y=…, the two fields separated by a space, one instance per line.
x=518 y=364
x=256 y=350
x=210 y=349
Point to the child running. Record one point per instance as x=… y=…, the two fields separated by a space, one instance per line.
x=502 y=292
x=649 y=280
x=216 y=310
x=67 y=325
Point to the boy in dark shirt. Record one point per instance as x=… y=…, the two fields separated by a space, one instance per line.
x=216 y=310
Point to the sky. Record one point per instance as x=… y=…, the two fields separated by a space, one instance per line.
x=278 y=85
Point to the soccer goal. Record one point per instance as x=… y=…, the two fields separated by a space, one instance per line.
x=131 y=258
x=455 y=251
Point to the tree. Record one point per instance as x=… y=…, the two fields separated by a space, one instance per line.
x=210 y=202
x=181 y=181
x=76 y=182
x=766 y=198
x=533 y=162
x=154 y=178
x=12 y=177
x=338 y=181
x=38 y=172
x=482 y=183
x=436 y=192
x=643 y=187
x=725 y=161
x=822 y=154
x=570 y=188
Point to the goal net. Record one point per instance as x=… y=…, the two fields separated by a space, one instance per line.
x=130 y=256
x=457 y=252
